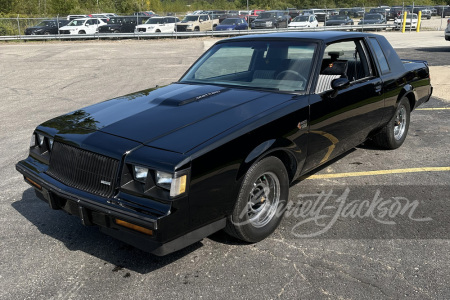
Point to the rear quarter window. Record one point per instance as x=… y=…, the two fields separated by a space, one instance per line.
x=382 y=61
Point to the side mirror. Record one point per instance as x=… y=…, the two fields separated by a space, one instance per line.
x=337 y=85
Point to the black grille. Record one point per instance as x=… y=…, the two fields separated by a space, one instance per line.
x=64 y=32
x=83 y=170
x=181 y=28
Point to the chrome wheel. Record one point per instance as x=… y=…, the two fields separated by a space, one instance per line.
x=263 y=199
x=400 y=123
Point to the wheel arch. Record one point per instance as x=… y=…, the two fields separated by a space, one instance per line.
x=276 y=148
x=407 y=92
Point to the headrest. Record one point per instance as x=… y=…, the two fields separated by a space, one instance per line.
x=338 y=67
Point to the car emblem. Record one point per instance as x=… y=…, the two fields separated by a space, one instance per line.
x=105 y=182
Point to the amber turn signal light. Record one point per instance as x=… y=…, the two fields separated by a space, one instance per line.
x=33 y=183
x=134 y=227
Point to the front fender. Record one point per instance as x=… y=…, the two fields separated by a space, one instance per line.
x=282 y=148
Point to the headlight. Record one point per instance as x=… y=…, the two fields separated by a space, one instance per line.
x=41 y=146
x=269 y=23
x=140 y=173
x=190 y=25
x=142 y=180
x=177 y=185
x=151 y=27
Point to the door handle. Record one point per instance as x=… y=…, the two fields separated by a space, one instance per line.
x=378 y=89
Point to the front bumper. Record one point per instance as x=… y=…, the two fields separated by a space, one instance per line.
x=102 y=212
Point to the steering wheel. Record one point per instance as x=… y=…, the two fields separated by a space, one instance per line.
x=290 y=75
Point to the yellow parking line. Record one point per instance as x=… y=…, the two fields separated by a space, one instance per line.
x=380 y=172
x=434 y=108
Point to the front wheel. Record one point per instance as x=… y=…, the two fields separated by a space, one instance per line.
x=261 y=202
x=394 y=133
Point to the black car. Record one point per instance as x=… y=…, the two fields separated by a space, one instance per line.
x=394 y=12
x=372 y=19
x=46 y=27
x=122 y=24
x=271 y=19
x=162 y=168
x=339 y=20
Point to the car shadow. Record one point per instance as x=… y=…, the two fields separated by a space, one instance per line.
x=76 y=237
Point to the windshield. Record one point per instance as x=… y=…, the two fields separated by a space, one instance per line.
x=76 y=23
x=189 y=18
x=301 y=19
x=229 y=21
x=46 y=24
x=115 y=21
x=155 y=21
x=266 y=15
x=274 y=65
x=338 y=17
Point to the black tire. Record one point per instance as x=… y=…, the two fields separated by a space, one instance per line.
x=196 y=29
x=46 y=33
x=395 y=131
x=158 y=31
x=261 y=201
x=81 y=32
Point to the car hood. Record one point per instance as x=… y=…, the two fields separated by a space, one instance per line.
x=265 y=20
x=225 y=27
x=370 y=22
x=177 y=117
x=299 y=24
x=336 y=22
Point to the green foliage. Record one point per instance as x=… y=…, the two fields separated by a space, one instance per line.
x=44 y=8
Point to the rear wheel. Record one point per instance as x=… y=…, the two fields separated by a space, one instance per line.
x=394 y=133
x=261 y=201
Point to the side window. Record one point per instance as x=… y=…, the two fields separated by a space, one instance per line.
x=345 y=59
x=384 y=66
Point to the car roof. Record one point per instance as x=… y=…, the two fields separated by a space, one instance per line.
x=326 y=36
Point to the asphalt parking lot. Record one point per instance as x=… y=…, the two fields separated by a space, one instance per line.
x=395 y=248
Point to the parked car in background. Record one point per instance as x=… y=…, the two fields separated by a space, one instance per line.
x=379 y=10
x=253 y=15
x=162 y=168
x=321 y=15
x=357 y=12
x=158 y=24
x=82 y=26
x=122 y=24
x=197 y=23
x=447 y=31
x=149 y=14
x=46 y=27
x=394 y=12
x=372 y=19
x=411 y=22
x=73 y=17
x=426 y=13
x=232 y=24
x=304 y=21
x=446 y=11
x=271 y=19
x=339 y=20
